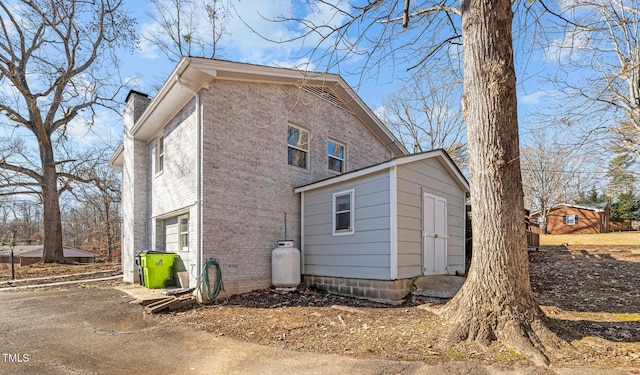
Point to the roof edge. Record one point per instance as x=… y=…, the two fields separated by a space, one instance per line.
x=405 y=159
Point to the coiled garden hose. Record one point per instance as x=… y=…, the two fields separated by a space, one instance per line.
x=204 y=285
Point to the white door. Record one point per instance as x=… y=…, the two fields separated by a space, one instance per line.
x=435 y=235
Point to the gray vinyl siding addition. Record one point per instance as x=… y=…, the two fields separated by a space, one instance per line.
x=364 y=254
x=414 y=179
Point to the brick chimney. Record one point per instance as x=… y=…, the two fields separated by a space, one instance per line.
x=134 y=187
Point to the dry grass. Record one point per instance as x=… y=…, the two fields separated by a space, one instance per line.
x=597 y=239
x=47 y=270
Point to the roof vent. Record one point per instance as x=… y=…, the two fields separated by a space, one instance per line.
x=326 y=94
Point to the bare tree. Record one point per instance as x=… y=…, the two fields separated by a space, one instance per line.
x=187 y=27
x=496 y=302
x=598 y=68
x=20 y=217
x=57 y=64
x=95 y=219
x=549 y=171
x=425 y=114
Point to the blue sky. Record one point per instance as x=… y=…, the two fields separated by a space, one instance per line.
x=150 y=67
x=147 y=67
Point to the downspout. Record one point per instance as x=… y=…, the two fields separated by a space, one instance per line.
x=199 y=252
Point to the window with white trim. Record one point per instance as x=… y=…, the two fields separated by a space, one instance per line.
x=336 y=156
x=570 y=219
x=160 y=154
x=183 y=227
x=343 y=212
x=297 y=147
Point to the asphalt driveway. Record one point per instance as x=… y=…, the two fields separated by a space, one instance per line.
x=98 y=331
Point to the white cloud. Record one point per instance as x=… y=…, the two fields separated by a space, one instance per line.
x=106 y=129
x=252 y=36
x=533 y=98
x=147 y=49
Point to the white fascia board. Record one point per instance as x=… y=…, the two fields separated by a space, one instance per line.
x=117 y=160
x=152 y=108
x=346 y=176
x=179 y=88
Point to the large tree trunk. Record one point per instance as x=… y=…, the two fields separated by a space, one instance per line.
x=52 y=251
x=496 y=301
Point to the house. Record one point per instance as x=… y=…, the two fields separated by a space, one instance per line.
x=30 y=254
x=567 y=218
x=211 y=163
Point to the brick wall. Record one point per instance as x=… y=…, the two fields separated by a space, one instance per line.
x=134 y=207
x=589 y=221
x=248 y=185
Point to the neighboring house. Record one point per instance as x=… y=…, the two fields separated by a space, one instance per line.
x=210 y=164
x=570 y=218
x=30 y=254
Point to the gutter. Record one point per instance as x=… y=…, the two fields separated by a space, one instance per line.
x=199 y=252
x=164 y=90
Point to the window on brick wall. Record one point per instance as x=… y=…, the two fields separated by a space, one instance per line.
x=343 y=217
x=336 y=156
x=570 y=219
x=159 y=154
x=297 y=146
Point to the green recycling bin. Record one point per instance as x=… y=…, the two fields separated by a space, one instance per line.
x=156 y=268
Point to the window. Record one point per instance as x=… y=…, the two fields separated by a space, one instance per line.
x=570 y=219
x=343 y=217
x=336 y=156
x=298 y=146
x=159 y=154
x=183 y=222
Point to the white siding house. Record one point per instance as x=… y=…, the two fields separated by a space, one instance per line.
x=371 y=231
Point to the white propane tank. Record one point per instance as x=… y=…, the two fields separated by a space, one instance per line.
x=285 y=265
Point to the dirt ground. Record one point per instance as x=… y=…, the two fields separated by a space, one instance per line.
x=591 y=293
x=38 y=270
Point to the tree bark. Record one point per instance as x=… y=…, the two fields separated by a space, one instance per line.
x=496 y=301
x=52 y=245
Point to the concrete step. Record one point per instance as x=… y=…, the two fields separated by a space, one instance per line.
x=438 y=286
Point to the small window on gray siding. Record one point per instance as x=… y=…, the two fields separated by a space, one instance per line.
x=343 y=212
